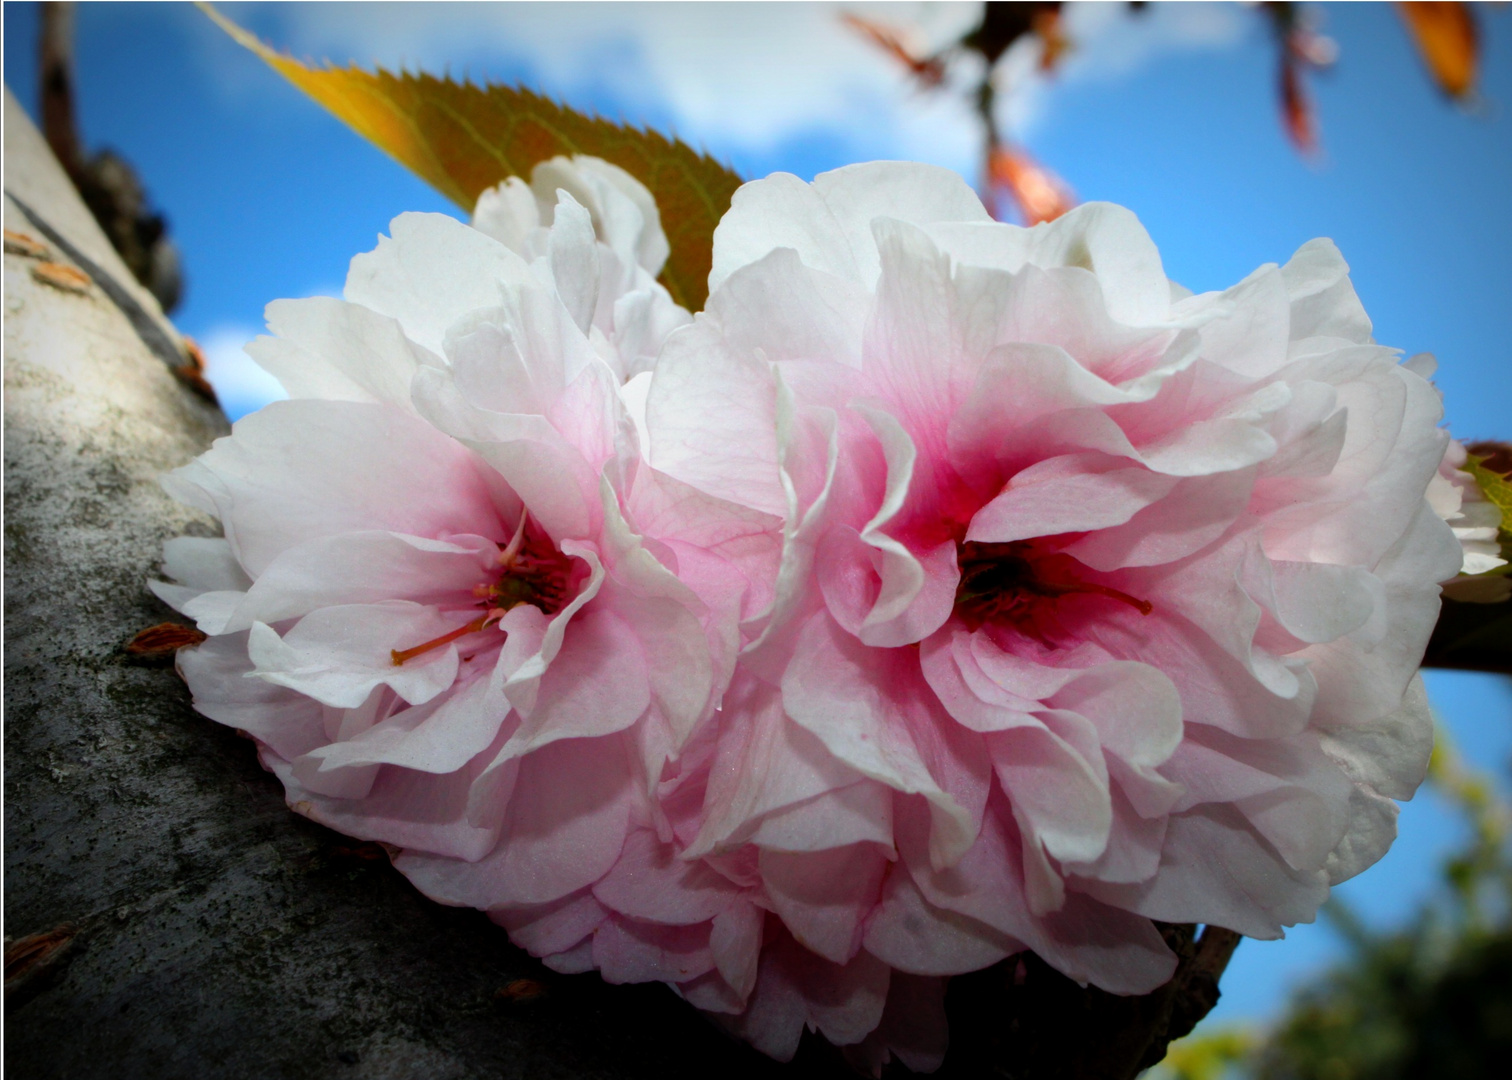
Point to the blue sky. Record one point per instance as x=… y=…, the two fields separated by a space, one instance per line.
x=1171 y=113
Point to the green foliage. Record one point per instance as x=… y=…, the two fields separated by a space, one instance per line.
x=1431 y=1000
x=1495 y=487
x=464 y=139
x=1207 y=1054
x=1425 y=1003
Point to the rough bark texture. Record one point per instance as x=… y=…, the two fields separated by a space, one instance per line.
x=173 y=919
x=214 y=932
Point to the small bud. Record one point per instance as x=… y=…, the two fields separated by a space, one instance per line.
x=60 y=276
x=162 y=641
x=21 y=244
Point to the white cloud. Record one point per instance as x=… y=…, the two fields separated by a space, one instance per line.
x=1115 y=41
x=1112 y=42
x=741 y=77
x=731 y=76
x=750 y=73
x=240 y=384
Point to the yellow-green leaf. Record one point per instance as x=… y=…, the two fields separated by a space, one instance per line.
x=1206 y=1055
x=1495 y=487
x=464 y=139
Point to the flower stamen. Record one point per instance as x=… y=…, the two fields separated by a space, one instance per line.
x=493 y=615
x=534 y=572
x=1019 y=585
x=512 y=549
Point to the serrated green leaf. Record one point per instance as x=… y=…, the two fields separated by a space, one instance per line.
x=464 y=139
x=1495 y=487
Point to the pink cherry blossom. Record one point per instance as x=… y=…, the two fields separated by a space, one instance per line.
x=628 y=314
x=461 y=616
x=1100 y=602
x=945 y=589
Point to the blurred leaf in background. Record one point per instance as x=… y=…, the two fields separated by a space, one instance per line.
x=1302 y=49
x=1432 y=999
x=1014 y=186
x=107 y=181
x=1491 y=465
x=1207 y=1055
x=1448 y=39
x=1446 y=35
x=1474 y=629
x=1037 y=193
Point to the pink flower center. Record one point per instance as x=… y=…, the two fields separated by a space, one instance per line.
x=532 y=571
x=1021 y=585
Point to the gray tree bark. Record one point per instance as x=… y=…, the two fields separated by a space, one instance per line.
x=202 y=929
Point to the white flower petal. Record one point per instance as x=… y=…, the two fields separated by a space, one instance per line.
x=337 y=655
x=431 y=270
x=337 y=351
x=297 y=470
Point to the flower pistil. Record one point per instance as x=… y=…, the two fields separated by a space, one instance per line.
x=533 y=572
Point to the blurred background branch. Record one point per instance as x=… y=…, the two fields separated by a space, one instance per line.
x=107 y=182
x=1015 y=187
x=1432 y=998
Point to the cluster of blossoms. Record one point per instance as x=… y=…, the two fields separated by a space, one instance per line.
x=945 y=589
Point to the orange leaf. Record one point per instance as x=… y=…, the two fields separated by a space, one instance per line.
x=464 y=139
x=1038 y=193
x=1447 y=38
x=521 y=990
